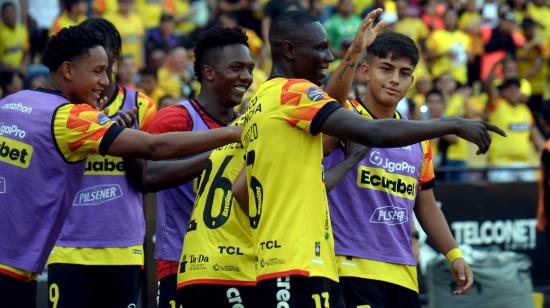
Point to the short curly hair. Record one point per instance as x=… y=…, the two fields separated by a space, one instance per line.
x=215 y=38
x=68 y=44
x=108 y=31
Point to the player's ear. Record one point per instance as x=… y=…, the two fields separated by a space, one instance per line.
x=66 y=69
x=288 y=49
x=364 y=70
x=208 y=72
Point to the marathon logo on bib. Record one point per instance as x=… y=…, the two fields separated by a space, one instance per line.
x=98 y=194
x=18 y=107
x=395 y=184
x=390 y=215
x=15 y=152
x=315 y=94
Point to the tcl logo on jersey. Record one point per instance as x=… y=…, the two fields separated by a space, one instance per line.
x=98 y=194
x=270 y=245
x=15 y=152
x=230 y=250
x=390 y=215
x=378 y=179
x=377 y=159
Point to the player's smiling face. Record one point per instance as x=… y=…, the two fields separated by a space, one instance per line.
x=88 y=77
x=233 y=72
x=312 y=54
x=388 y=79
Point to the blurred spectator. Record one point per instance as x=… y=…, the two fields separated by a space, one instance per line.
x=519 y=7
x=255 y=43
x=431 y=16
x=505 y=110
x=448 y=49
x=155 y=59
x=436 y=110
x=510 y=71
x=341 y=27
x=499 y=41
x=151 y=12
x=532 y=59
x=191 y=15
x=131 y=29
x=163 y=36
x=272 y=9
x=456 y=155
x=127 y=72
x=148 y=83
x=176 y=75
x=410 y=25
x=73 y=14
x=10 y=82
x=539 y=11
x=166 y=101
x=470 y=22
x=14 y=40
x=39 y=16
x=543 y=211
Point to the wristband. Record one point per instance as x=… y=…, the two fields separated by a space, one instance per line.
x=454 y=254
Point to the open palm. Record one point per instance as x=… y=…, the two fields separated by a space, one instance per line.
x=366 y=34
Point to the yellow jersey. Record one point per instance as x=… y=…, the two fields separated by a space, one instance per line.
x=516 y=121
x=442 y=42
x=217 y=248
x=288 y=207
x=64 y=21
x=526 y=56
x=131 y=31
x=13 y=44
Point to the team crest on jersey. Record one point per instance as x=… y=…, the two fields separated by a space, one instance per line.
x=102 y=119
x=315 y=94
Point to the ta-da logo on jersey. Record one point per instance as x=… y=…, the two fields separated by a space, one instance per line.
x=390 y=215
x=98 y=194
x=2 y=186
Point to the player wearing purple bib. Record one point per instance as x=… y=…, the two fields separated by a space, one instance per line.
x=372 y=208
x=43 y=158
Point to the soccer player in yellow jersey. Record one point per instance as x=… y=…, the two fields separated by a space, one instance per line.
x=55 y=136
x=292 y=236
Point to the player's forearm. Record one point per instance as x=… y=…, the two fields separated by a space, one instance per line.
x=134 y=169
x=159 y=175
x=341 y=80
x=433 y=222
x=385 y=133
x=335 y=174
x=133 y=143
x=240 y=190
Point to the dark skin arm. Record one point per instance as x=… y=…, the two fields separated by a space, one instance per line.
x=354 y=154
x=394 y=133
x=134 y=143
x=161 y=175
x=240 y=190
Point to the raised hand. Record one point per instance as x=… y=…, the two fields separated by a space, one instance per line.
x=477 y=132
x=366 y=34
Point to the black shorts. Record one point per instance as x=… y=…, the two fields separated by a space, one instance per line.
x=300 y=292
x=167 y=296
x=377 y=294
x=73 y=285
x=214 y=296
x=17 y=293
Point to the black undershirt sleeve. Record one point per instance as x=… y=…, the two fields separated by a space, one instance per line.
x=322 y=115
x=109 y=138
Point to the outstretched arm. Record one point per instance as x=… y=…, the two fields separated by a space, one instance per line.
x=394 y=133
x=134 y=143
x=159 y=175
x=434 y=224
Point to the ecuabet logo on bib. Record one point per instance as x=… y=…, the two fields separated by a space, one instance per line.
x=315 y=94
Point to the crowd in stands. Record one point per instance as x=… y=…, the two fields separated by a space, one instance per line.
x=479 y=59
